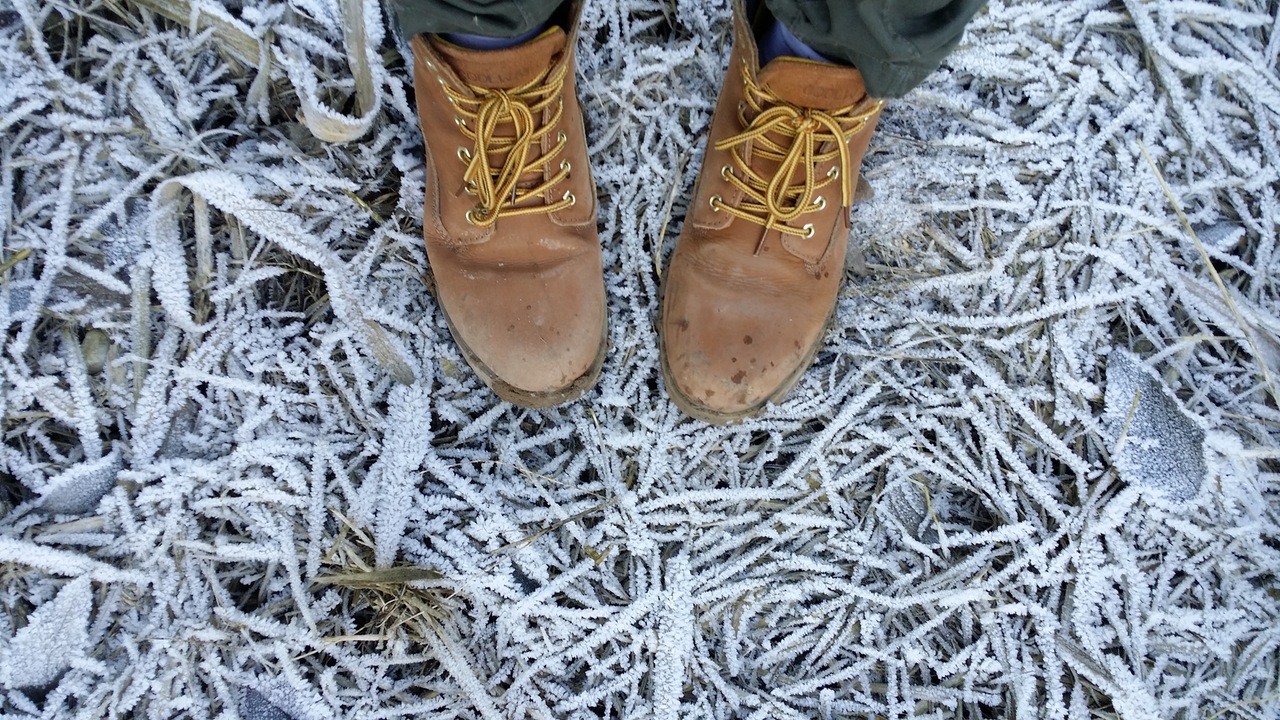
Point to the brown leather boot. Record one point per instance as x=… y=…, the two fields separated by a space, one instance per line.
x=510 y=220
x=752 y=284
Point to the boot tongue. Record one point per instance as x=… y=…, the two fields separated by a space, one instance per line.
x=811 y=84
x=503 y=69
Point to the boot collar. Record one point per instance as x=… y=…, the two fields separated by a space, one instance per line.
x=811 y=84
x=503 y=69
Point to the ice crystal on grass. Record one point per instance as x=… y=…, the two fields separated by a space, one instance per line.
x=55 y=636
x=256 y=707
x=1157 y=444
x=78 y=489
x=237 y=434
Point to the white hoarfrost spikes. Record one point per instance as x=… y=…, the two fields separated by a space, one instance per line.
x=245 y=471
x=56 y=635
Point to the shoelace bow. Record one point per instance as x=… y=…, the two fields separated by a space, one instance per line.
x=481 y=115
x=775 y=201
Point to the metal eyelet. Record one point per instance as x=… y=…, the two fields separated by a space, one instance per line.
x=464 y=155
x=726 y=172
x=715 y=202
x=457 y=120
x=471 y=220
x=573 y=199
x=808 y=230
x=561 y=137
x=820 y=203
x=470 y=188
x=566 y=166
x=834 y=172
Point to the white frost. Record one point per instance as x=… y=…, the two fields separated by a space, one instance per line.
x=931 y=525
x=1157 y=443
x=56 y=635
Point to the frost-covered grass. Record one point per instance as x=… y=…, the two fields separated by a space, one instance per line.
x=245 y=473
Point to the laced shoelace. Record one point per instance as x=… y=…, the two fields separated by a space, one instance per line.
x=775 y=201
x=498 y=188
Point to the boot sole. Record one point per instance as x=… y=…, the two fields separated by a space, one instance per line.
x=512 y=394
x=696 y=410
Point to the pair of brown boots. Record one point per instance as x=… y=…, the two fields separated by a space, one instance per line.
x=510 y=223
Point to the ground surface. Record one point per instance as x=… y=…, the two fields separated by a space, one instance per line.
x=245 y=473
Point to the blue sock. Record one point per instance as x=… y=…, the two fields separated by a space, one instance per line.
x=778 y=41
x=488 y=42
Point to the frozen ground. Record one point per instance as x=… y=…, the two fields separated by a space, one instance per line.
x=245 y=473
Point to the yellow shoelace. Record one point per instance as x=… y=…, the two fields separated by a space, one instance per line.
x=775 y=201
x=481 y=116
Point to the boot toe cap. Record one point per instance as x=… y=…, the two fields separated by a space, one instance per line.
x=536 y=338
x=725 y=358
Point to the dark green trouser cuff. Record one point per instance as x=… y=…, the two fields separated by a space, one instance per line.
x=495 y=18
x=894 y=43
